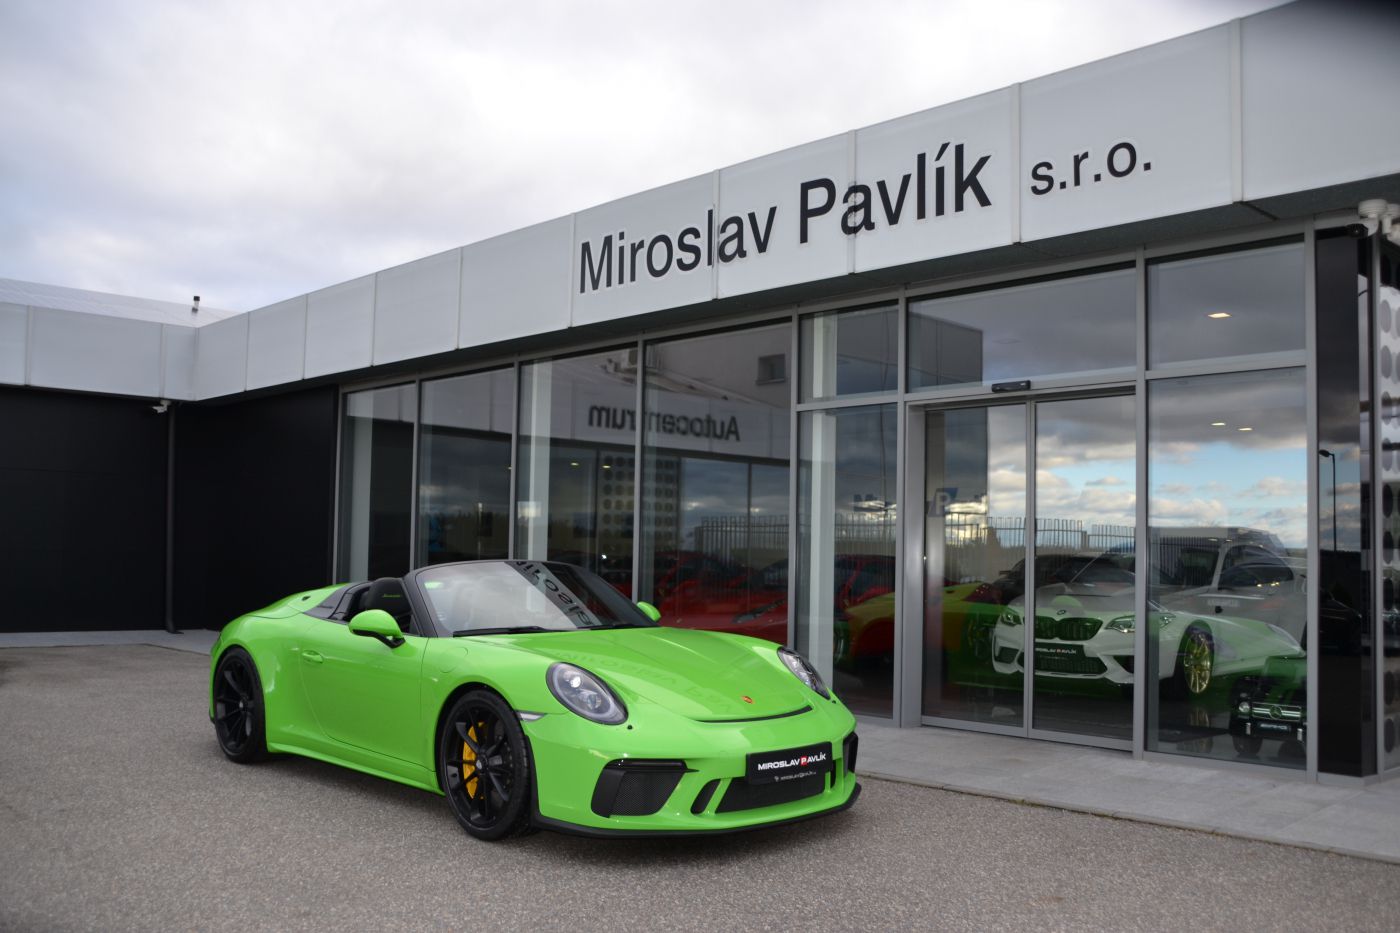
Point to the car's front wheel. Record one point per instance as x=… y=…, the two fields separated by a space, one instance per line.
x=238 y=708
x=484 y=766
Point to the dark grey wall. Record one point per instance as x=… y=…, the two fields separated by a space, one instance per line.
x=82 y=512
x=254 y=484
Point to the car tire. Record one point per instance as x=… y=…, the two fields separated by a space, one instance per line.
x=239 y=722
x=491 y=801
x=1195 y=663
x=1247 y=746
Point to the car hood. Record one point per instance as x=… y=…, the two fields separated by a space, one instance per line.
x=697 y=674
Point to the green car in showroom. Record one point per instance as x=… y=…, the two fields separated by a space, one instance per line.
x=534 y=695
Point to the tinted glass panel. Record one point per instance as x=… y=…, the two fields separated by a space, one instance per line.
x=464 y=467
x=715 y=495
x=1076 y=325
x=1225 y=305
x=850 y=353
x=577 y=434
x=376 y=488
x=975 y=544
x=1085 y=527
x=846 y=519
x=1228 y=572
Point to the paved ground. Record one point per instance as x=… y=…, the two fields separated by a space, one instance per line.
x=117 y=812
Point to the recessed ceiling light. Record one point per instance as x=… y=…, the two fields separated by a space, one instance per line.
x=573 y=463
x=1218 y=315
x=1246 y=429
x=1217 y=424
x=607 y=466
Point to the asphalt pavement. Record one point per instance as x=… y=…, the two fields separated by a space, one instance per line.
x=117 y=812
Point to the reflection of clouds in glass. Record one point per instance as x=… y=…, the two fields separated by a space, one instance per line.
x=1208 y=475
x=1273 y=486
x=1167 y=512
x=1107 y=481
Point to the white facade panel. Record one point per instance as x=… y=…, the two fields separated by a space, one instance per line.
x=340 y=327
x=763 y=199
x=1320 y=81
x=934 y=184
x=643 y=253
x=221 y=358
x=516 y=285
x=14 y=337
x=1141 y=135
x=94 y=353
x=416 y=308
x=177 y=362
x=276 y=343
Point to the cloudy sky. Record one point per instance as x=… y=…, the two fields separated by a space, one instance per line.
x=251 y=151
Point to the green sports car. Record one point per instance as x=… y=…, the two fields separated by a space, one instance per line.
x=534 y=695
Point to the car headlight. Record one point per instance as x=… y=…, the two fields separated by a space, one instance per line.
x=804 y=671
x=585 y=694
x=1244 y=707
x=1009 y=617
x=1122 y=624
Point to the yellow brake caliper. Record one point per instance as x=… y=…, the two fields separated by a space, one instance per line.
x=468 y=759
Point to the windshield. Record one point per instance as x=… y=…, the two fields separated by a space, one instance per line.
x=497 y=596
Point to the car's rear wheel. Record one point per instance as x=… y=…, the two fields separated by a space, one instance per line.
x=238 y=708
x=1195 y=663
x=484 y=766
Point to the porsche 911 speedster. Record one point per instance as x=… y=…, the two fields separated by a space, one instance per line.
x=534 y=695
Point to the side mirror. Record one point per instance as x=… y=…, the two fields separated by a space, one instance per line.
x=376 y=623
x=650 y=611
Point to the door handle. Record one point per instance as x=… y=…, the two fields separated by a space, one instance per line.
x=313 y=656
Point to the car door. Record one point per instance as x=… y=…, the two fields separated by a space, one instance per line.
x=364 y=694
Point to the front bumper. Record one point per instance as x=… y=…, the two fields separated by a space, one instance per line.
x=662 y=773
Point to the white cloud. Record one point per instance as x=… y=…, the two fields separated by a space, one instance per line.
x=256 y=150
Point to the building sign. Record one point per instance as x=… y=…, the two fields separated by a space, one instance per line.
x=1134 y=137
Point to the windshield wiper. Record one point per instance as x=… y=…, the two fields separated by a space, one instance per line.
x=500 y=630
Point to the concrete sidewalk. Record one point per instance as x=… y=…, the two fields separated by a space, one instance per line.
x=1353 y=819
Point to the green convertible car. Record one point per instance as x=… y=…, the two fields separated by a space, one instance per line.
x=534 y=695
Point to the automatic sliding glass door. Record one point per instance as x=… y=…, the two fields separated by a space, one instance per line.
x=1068 y=526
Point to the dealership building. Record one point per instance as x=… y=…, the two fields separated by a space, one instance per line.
x=1070 y=411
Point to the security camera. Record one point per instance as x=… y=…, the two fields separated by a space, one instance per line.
x=1375 y=215
x=161 y=408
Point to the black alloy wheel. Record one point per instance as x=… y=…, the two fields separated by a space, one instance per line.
x=238 y=708
x=484 y=766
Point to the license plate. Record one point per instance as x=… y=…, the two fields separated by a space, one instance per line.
x=788 y=764
x=1273 y=727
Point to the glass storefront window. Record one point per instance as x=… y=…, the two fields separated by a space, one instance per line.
x=975 y=563
x=464 y=467
x=847 y=507
x=715 y=492
x=1085 y=545
x=577 y=435
x=376 y=486
x=847 y=353
x=1225 y=305
x=1081 y=325
x=1228 y=574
